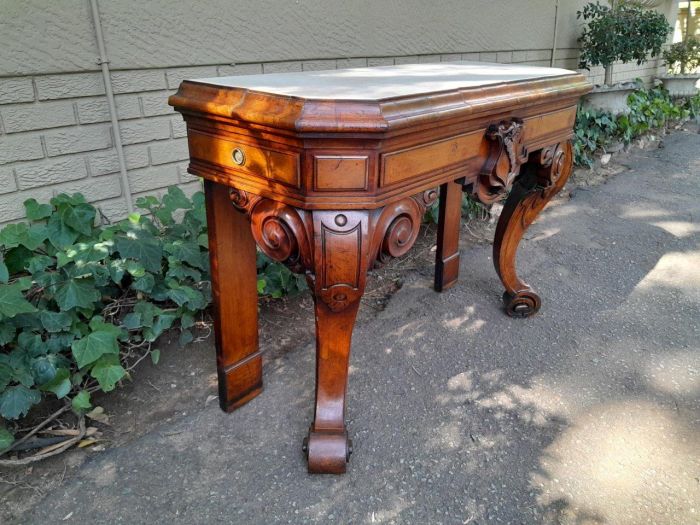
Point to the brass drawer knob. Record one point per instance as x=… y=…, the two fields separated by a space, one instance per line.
x=238 y=156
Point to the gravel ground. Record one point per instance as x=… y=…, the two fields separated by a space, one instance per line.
x=587 y=413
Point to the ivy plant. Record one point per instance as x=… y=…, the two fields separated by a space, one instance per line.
x=80 y=303
x=649 y=109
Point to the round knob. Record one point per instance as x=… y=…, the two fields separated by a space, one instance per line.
x=238 y=156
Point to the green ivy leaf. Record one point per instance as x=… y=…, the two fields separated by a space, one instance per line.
x=44 y=370
x=108 y=372
x=132 y=321
x=4 y=272
x=79 y=217
x=12 y=301
x=185 y=251
x=39 y=263
x=36 y=211
x=60 y=384
x=93 y=346
x=98 y=324
x=147 y=311
x=147 y=251
x=145 y=283
x=55 y=321
x=60 y=234
x=77 y=293
x=162 y=323
x=35 y=236
x=186 y=337
x=81 y=401
x=16 y=401
x=12 y=234
x=176 y=199
x=7 y=333
x=5 y=375
x=6 y=439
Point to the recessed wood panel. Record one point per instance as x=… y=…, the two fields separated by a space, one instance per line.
x=405 y=164
x=277 y=165
x=335 y=172
x=548 y=124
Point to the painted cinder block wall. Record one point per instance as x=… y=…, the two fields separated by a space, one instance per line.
x=55 y=131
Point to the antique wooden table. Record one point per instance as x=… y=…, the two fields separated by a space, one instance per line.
x=330 y=172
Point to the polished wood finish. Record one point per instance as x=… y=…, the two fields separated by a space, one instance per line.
x=332 y=184
x=447 y=253
x=543 y=177
x=234 y=289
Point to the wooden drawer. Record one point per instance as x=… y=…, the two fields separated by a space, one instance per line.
x=255 y=160
x=399 y=166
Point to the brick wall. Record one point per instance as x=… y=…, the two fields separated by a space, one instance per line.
x=55 y=134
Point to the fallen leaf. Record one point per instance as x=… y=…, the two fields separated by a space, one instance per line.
x=98 y=414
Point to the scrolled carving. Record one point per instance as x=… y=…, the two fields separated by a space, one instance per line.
x=552 y=159
x=523 y=303
x=506 y=154
x=396 y=227
x=242 y=200
x=281 y=234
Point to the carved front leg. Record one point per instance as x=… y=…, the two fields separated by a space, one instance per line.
x=341 y=259
x=335 y=249
x=542 y=178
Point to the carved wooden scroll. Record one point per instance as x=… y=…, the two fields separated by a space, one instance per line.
x=544 y=175
x=506 y=154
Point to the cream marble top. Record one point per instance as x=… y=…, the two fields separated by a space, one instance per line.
x=376 y=83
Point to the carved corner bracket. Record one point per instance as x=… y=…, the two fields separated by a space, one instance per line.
x=506 y=154
x=333 y=248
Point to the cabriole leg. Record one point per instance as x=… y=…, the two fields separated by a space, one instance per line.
x=544 y=175
x=233 y=274
x=341 y=257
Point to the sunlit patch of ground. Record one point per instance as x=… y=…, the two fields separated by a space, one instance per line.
x=626 y=462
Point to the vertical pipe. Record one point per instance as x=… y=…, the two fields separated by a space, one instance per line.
x=104 y=63
x=554 y=38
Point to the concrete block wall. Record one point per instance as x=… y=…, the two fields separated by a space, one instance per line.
x=55 y=131
x=55 y=134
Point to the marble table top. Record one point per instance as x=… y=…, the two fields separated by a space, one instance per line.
x=377 y=83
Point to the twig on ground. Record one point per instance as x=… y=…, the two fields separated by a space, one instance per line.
x=49 y=451
x=37 y=428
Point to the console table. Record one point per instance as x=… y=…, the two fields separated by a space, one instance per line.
x=330 y=173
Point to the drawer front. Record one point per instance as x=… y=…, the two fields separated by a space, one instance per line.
x=542 y=127
x=340 y=172
x=261 y=162
x=404 y=164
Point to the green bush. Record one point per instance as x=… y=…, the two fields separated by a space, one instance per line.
x=80 y=304
x=626 y=33
x=683 y=57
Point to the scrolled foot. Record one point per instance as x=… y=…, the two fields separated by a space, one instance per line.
x=327 y=452
x=521 y=304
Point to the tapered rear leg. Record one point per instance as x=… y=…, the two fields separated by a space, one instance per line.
x=234 y=288
x=544 y=175
x=447 y=254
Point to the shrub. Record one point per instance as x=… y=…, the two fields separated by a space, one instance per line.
x=81 y=304
x=683 y=57
x=624 y=33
